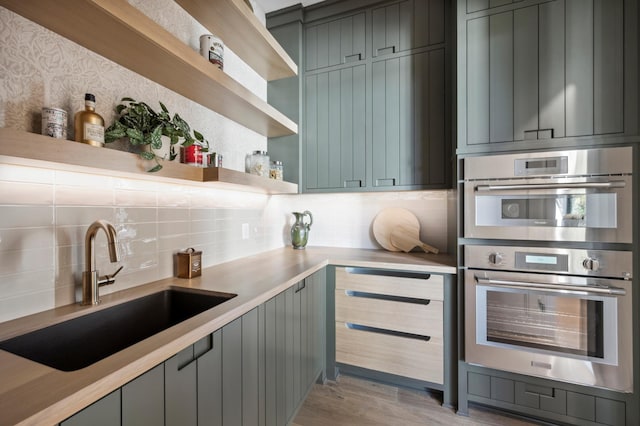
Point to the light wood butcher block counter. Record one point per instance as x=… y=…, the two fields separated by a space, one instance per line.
x=31 y=393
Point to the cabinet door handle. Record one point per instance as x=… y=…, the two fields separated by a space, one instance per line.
x=385 y=51
x=300 y=288
x=545 y=134
x=356 y=183
x=387 y=297
x=530 y=134
x=359 y=327
x=386 y=182
x=186 y=364
x=388 y=273
x=352 y=58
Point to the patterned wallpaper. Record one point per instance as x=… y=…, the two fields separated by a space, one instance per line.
x=39 y=68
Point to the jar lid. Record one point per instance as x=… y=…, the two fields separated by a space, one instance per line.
x=277 y=163
x=259 y=152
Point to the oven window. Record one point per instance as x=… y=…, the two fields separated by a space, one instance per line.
x=565 y=210
x=569 y=325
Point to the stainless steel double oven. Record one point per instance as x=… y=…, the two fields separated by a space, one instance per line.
x=550 y=294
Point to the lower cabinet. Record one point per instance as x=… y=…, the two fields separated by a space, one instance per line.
x=543 y=401
x=390 y=323
x=254 y=371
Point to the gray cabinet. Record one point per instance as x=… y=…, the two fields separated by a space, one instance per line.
x=294 y=346
x=181 y=378
x=209 y=387
x=335 y=42
x=104 y=412
x=375 y=108
x=368 y=126
x=143 y=399
x=254 y=371
x=409 y=128
x=335 y=129
x=534 y=398
x=409 y=24
x=557 y=69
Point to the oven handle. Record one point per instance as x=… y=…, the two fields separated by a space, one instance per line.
x=571 y=185
x=566 y=289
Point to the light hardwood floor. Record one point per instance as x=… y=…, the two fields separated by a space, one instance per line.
x=355 y=402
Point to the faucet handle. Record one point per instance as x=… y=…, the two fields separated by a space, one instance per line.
x=109 y=279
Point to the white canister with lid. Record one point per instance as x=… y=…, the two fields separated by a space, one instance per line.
x=212 y=49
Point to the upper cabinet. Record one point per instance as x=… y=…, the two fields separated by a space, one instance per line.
x=335 y=42
x=123 y=34
x=376 y=98
x=546 y=74
x=399 y=27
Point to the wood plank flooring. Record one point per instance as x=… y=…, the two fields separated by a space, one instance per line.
x=355 y=402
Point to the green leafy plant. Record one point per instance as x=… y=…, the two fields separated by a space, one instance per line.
x=143 y=126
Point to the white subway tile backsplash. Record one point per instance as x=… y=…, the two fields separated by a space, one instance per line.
x=21 y=261
x=14 y=173
x=26 y=304
x=26 y=238
x=26 y=193
x=42 y=246
x=25 y=216
x=82 y=215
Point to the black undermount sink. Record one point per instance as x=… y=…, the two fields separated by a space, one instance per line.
x=79 y=342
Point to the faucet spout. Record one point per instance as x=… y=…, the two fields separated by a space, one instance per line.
x=91 y=280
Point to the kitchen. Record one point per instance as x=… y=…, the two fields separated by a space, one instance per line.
x=47 y=211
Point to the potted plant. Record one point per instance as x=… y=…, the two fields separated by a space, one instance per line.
x=144 y=128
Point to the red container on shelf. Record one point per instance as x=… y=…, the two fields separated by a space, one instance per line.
x=194 y=156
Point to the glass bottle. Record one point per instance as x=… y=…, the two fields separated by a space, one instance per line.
x=89 y=125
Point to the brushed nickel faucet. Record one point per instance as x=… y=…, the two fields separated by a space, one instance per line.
x=91 y=280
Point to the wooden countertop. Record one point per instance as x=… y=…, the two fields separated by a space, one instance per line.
x=31 y=393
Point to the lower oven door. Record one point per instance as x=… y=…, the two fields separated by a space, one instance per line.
x=566 y=328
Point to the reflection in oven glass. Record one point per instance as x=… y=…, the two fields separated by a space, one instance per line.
x=562 y=210
x=531 y=319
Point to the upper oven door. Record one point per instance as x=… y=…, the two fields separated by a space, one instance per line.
x=592 y=209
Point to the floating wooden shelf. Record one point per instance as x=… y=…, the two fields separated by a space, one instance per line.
x=123 y=34
x=242 y=32
x=24 y=148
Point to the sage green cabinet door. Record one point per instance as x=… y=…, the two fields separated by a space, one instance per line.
x=335 y=130
x=232 y=373
x=104 y=412
x=407 y=25
x=209 y=355
x=181 y=399
x=336 y=42
x=408 y=134
x=143 y=399
x=550 y=70
x=251 y=370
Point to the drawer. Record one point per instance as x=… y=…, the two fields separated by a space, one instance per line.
x=365 y=280
x=402 y=356
x=414 y=318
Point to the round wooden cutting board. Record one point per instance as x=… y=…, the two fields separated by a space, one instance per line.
x=390 y=218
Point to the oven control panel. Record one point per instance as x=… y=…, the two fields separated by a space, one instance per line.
x=601 y=263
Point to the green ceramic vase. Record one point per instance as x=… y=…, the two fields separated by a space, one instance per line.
x=300 y=230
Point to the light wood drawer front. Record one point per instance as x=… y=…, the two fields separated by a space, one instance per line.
x=432 y=288
x=425 y=320
x=417 y=359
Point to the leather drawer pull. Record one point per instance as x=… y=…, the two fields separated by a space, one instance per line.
x=402 y=299
x=387 y=273
x=358 y=327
